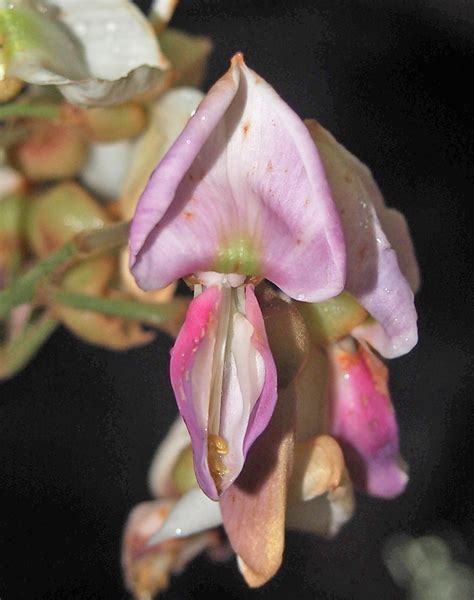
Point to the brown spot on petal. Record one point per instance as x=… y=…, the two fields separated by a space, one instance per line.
x=246 y=127
x=188 y=215
x=269 y=166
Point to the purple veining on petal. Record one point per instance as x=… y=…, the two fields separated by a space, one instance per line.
x=374 y=275
x=243 y=177
x=363 y=421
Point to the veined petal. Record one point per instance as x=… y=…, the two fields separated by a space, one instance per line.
x=224 y=380
x=100 y=52
x=363 y=420
x=374 y=275
x=242 y=190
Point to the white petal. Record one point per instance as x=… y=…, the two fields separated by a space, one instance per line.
x=176 y=440
x=193 y=513
x=100 y=52
x=106 y=167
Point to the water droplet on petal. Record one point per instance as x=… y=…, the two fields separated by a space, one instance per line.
x=386 y=290
x=188 y=141
x=178 y=531
x=300 y=297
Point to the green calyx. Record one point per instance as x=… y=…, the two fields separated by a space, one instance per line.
x=239 y=257
x=332 y=319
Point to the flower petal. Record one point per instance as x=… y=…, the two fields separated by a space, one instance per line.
x=318 y=468
x=326 y=514
x=193 y=513
x=168 y=116
x=160 y=474
x=147 y=568
x=106 y=166
x=241 y=190
x=374 y=275
x=98 y=52
x=253 y=509
x=246 y=396
x=363 y=420
x=393 y=222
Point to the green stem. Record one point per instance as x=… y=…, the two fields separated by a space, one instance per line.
x=23 y=289
x=146 y=312
x=19 y=351
x=38 y=111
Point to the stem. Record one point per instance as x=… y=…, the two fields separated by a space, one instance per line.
x=19 y=351
x=23 y=289
x=38 y=111
x=146 y=312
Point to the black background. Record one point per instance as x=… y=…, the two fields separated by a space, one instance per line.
x=80 y=424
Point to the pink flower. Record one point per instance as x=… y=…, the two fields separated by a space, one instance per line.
x=241 y=195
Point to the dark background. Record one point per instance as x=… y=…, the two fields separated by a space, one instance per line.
x=80 y=424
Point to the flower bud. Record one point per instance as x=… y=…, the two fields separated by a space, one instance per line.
x=52 y=151
x=108 y=123
x=58 y=214
x=9 y=88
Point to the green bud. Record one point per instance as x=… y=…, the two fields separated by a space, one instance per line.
x=111 y=123
x=333 y=319
x=52 y=151
x=58 y=214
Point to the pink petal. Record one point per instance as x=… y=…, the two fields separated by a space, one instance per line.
x=363 y=420
x=242 y=190
x=393 y=223
x=248 y=390
x=374 y=273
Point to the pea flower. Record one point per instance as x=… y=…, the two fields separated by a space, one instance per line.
x=240 y=196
